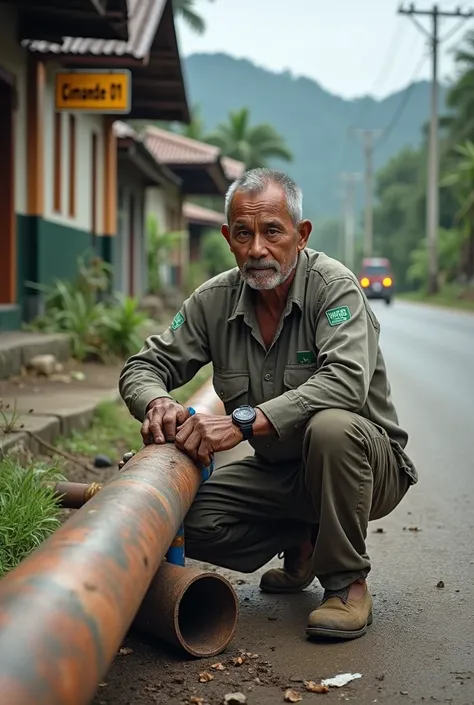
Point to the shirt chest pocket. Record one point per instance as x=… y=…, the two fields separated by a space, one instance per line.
x=232 y=388
x=296 y=375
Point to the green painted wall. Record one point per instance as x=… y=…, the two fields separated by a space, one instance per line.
x=59 y=246
x=47 y=251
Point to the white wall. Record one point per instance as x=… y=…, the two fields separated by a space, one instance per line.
x=86 y=125
x=14 y=59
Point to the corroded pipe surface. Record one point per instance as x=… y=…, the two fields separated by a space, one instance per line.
x=194 y=610
x=65 y=610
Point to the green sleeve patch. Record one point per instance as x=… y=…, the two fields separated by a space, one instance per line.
x=177 y=321
x=338 y=315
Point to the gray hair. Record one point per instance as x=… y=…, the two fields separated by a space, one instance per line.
x=257 y=180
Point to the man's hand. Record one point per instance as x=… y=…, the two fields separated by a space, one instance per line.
x=202 y=435
x=163 y=417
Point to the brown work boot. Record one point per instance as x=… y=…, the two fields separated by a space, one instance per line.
x=343 y=614
x=297 y=572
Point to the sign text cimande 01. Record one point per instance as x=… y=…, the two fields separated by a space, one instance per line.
x=94 y=91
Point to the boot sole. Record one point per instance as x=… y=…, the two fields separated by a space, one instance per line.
x=338 y=633
x=286 y=591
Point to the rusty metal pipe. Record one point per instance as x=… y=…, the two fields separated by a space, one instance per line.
x=73 y=495
x=65 y=610
x=194 y=610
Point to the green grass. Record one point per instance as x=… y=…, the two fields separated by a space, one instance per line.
x=113 y=429
x=449 y=297
x=28 y=510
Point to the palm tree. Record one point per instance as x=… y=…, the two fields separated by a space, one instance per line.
x=461 y=180
x=254 y=146
x=185 y=10
x=460 y=98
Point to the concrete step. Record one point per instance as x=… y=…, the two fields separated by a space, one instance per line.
x=17 y=348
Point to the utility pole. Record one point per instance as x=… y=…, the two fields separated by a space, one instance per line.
x=350 y=185
x=369 y=137
x=432 y=201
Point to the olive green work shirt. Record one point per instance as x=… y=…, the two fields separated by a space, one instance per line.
x=325 y=355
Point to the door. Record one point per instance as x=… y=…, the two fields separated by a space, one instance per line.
x=7 y=191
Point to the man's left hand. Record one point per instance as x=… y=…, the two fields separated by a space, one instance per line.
x=202 y=435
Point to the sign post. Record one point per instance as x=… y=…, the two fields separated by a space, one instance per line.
x=96 y=91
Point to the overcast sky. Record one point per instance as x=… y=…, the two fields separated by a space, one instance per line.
x=351 y=47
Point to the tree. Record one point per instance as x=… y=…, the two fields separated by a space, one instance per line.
x=185 y=10
x=216 y=255
x=252 y=145
x=461 y=180
x=159 y=245
x=460 y=98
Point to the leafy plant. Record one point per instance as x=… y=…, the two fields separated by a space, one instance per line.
x=121 y=329
x=216 y=254
x=29 y=510
x=449 y=245
x=97 y=328
x=159 y=245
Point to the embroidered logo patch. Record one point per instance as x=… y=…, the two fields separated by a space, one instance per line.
x=177 y=321
x=305 y=357
x=338 y=315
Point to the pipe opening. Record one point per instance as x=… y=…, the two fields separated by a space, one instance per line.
x=206 y=616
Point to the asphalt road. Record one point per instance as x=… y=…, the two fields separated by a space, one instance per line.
x=420 y=647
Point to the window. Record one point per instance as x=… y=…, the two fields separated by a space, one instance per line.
x=58 y=153
x=72 y=166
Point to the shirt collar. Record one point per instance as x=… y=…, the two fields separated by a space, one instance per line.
x=245 y=302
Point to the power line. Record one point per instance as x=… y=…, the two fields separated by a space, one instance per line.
x=403 y=103
x=390 y=60
x=432 y=210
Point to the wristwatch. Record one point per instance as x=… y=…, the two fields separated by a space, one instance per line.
x=244 y=417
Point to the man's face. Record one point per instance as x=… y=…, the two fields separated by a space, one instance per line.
x=263 y=237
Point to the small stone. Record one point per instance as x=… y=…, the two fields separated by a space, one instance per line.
x=78 y=376
x=291 y=696
x=235 y=699
x=102 y=461
x=440 y=584
x=205 y=677
x=380 y=530
x=238 y=661
x=43 y=364
x=125 y=651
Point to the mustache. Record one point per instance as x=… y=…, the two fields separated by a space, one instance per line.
x=258 y=264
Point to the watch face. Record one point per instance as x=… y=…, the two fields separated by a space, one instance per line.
x=244 y=414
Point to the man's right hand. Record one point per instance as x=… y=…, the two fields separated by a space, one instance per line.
x=162 y=420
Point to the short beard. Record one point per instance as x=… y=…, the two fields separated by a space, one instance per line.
x=268 y=277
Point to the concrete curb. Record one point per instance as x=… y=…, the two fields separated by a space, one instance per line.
x=54 y=420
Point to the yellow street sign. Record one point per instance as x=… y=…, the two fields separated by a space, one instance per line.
x=94 y=91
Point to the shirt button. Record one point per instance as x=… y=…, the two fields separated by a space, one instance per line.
x=267 y=377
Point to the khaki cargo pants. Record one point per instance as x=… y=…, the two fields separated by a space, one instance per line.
x=249 y=510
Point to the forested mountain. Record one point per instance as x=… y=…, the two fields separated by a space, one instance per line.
x=313 y=121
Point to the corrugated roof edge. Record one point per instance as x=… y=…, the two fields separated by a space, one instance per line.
x=144 y=19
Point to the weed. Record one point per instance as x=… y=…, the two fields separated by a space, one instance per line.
x=29 y=511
